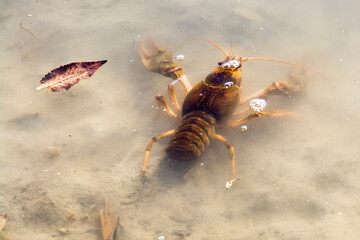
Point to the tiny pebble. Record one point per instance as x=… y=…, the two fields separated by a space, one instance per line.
x=161 y=238
x=59 y=173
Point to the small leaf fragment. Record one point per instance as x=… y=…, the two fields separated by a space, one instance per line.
x=62 y=78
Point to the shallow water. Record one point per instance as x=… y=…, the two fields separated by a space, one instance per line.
x=64 y=154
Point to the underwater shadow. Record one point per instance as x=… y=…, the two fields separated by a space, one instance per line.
x=172 y=172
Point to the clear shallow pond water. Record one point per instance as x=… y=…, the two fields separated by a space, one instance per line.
x=64 y=154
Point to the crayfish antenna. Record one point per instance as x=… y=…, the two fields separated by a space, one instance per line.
x=230 y=47
x=231 y=54
x=226 y=54
x=289 y=63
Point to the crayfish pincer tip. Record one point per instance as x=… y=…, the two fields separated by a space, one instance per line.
x=231 y=182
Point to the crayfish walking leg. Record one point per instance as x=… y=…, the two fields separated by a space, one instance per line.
x=231 y=153
x=149 y=146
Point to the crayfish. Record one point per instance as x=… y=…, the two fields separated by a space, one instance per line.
x=210 y=104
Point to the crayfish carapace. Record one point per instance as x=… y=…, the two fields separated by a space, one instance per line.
x=210 y=103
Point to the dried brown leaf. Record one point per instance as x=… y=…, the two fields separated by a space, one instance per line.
x=64 y=77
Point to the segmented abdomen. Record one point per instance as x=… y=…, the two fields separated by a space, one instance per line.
x=190 y=137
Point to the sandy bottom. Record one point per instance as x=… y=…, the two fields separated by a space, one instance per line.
x=63 y=155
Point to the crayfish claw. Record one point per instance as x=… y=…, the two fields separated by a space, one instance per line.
x=154 y=47
x=146 y=57
x=297 y=82
x=159 y=60
x=144 y=53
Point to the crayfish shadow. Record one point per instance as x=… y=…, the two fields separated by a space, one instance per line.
x=173 y=172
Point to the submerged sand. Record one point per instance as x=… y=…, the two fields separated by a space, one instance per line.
x=64 y=154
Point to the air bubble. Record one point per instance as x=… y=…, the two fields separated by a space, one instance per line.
x=228 y=84
x=179 y=57
x=232 y=64
x=257 y=105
